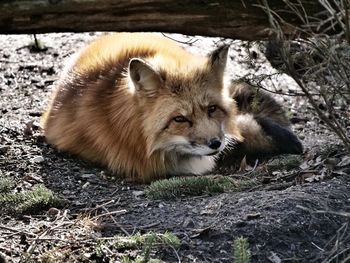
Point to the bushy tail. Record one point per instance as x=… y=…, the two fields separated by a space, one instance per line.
x=263 y=124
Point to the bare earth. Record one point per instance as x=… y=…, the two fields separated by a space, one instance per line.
x=294 y=217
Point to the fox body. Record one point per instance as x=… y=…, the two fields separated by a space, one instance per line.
x=143 y=106
x=146 y=108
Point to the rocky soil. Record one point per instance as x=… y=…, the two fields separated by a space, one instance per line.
x=298 y=216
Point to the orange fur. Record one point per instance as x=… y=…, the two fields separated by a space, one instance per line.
x=117 y=103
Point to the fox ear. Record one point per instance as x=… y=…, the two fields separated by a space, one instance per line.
x=146 y=80
x=217 y=60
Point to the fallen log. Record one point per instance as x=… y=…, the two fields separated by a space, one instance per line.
x=238 y=19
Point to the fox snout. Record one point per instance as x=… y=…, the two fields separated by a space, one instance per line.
x=207 y=146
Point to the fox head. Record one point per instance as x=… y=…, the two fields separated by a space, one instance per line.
x=184 y=104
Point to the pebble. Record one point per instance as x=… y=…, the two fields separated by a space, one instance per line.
x=38 y=159
x=138 y=193
x=66 y=192
x=87 y=176
x=85 y=185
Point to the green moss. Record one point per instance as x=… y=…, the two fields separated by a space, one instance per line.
x=145 y=244
x=195 y=186
x=138 y=240
x=284 y=162
x=29 y=202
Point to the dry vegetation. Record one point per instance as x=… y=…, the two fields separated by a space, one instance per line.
x=318 y=63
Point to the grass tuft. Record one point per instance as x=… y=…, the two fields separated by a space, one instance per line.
x=29 y=202
x=6 y=185
x=195 y=186
x=144 y=244
x=284 y=162
x=241 y=250
x=138 y=240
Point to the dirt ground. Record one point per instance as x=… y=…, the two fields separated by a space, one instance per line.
x=303 y=217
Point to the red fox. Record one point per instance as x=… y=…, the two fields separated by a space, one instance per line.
x=144 y=107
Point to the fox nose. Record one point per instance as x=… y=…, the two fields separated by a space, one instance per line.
x=214 y=143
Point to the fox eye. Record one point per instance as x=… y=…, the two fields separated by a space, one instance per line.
x=212 y=109
x=179 y=119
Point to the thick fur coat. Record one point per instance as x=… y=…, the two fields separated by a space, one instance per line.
x=146 y=108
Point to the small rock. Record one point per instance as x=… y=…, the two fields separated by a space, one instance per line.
x=85 y=185
x=87 y=176
x=66 y=192
x=138 y=193
x=274 y=258
x=38 y=159
x=87 y=255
